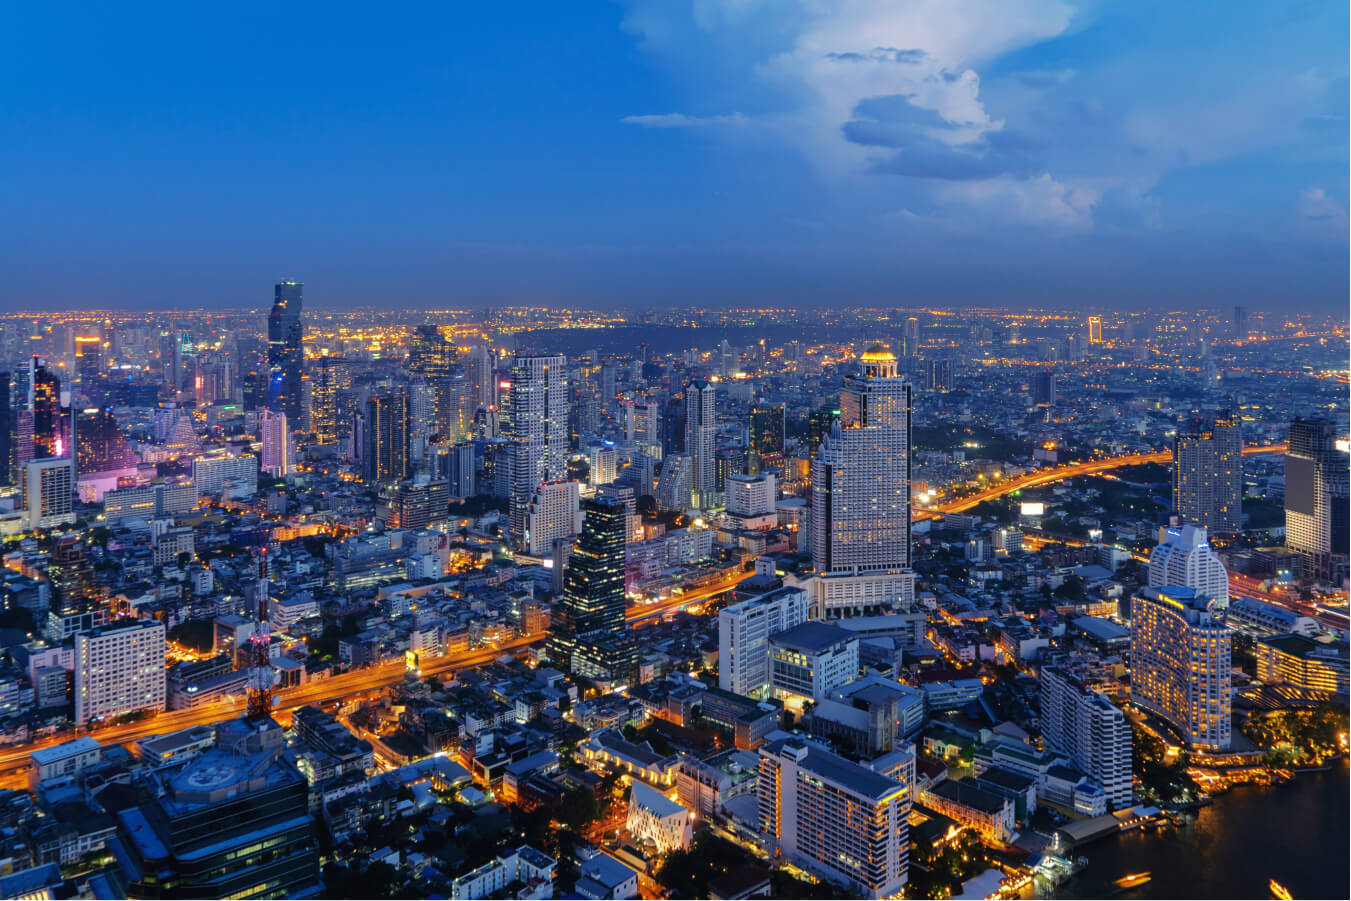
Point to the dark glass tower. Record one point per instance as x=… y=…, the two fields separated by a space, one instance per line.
x=430 y=355
x=386 y=458
x=589 y=634
x=46 y=413
x=285 y=357
x=767 y=438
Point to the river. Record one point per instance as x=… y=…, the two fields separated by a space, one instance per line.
x=1297 y=834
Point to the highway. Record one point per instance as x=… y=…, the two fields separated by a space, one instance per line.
x=14 y=760
x=1068 y=471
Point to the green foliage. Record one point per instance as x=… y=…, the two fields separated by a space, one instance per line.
x=195 y=633
x=579 y=808
x=1307 y=736
x=687 y=874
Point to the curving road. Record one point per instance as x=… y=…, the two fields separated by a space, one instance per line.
x=1068 y=471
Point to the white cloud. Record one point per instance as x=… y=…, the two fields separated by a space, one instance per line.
x=680 y=120
x=1039 y=201
x=1320 y=214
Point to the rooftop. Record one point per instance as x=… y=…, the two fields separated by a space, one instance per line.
x=812 y=637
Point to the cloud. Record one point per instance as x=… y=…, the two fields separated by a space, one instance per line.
x=1045 y=78
x=680 y=120
x=1321 y=214
x=1039 y=200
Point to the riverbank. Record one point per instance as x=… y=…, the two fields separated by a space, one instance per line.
x=1296 y=833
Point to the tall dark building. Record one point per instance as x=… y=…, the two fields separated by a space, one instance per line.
x=1043 y=388
x=430 y=355
x=1317 y=499
x=6 y=432
x=100 y=444
x=386 y=456
x=1208 y=474
x=589 y=634
x=47 y=425
x=938 y=374
x=332 y=377
x=767 y=438
x=285 y=356
x=818 y=426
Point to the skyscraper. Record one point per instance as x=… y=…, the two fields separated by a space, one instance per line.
x=1183 y=557
x=861 y=475
x=1094 y=329
x=6 y=432
x=588 y=633
x=46 y=408
x=88 y=364
x=1316 y=499
x=537 y=431
x=1208 y=474
x=701 y=438
x=1081 y=722
x=332 y=377
x=819 y=424
x=278 y=459
x=1043 y=388
x=743 y=637
x=430 y=355
x=1180 y=664
x=911 y=348
x=386 y=427
x=767 y=438
x=285 y=356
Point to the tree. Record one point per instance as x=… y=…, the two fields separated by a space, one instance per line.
x=578 y=808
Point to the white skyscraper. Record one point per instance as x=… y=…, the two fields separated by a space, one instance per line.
x=1081 y=722
x=278 y=458
x=642 y=427
x=701 y=438
x=861 y=475
x=49 y=492
x=743 y=637
x=555 y=512
x=1184 y=557
x=674 y=486
x=603 y=461
x=750 y=495
x=119 y=669
x=537 y=449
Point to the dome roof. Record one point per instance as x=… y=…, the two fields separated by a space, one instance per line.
x=878 y=353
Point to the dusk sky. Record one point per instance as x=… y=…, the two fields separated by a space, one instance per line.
x=658 y=152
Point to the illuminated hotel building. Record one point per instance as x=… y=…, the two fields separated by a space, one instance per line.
x=1180 y=664
x=1094 y=329
x=837 y=819
x=537 y=431
x=1184 y=557
x=1304 y=662
x=1208 y=474
x=861 y=475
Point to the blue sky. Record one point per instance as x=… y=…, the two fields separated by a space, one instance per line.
x=658 y=152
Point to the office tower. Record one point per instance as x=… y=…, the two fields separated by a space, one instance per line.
x=603 y=461
x=213 y=380
x=461 y=471
x=7 y=436
x=743 y=638
x=861 y=474
x=49 y=492
x=478 y=371
x=1316 y=499
x=1094 y=329
x=453 y=408
x=938 y=374
x=119 y=669
x=588 y=634
x=231 y=822
x=285 y=354
x=46 y=409
x=537 y=448
x=642 y=426
x=1043 y=388
x=674 y=491
x=811 y=660
x=837 y=819
x=100 y=446
x=70 y=576
x=911 y=342
x=609 y=377
x=1208 y=474
x=1183 y=557
x=750 y=496
x=430 y=355
x=422 y=425
x=1240 y=322
x=332 y=378
x=554 y=513
x=701 y=438
x=88 y=362
x=1180 y=664
x=225 y=473
x=767 y=438
x=1080 y=722
x=278 y=459
x=819 y=424
x=416 y=504
x=727 y=360
x=727 y=462
x=385 y=456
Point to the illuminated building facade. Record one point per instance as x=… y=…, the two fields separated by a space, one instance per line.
x=1180 y=664
x=537 y=431
x=1208 y=474
x=285 y=356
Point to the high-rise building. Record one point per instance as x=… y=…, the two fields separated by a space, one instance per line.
x=88 y=362
x=674 y=488
x=46 y=408
x=603 y=462
x=1043 y=388
x=554 y=513
x=332 y=378
x=767 y=438
x=100 y=445
x=226 y=473
x=911 y=342
x=1184 y=557
x=461 y=472
x=49 y=492
x=750 y=496
x=701 y=439
x=1316 y=499
x=285 y=354
x=415 y=504
x=1208 y=474
x=938 y=374
x=861 y=474
x=743 y=638
x=642 y=426
x=119 y=669
x=386 y=454
x=588 y=633
x=1094 y=329
x=811 y=660
x=1078 y=721
x=819 y=424
x=835 y=818
x=537 y=431
x=430 y=355
x=1180 y=664
x=1240 y=322
x=278 y=459
x=7 y=437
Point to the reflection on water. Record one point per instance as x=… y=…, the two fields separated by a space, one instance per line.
x=1296 y=834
